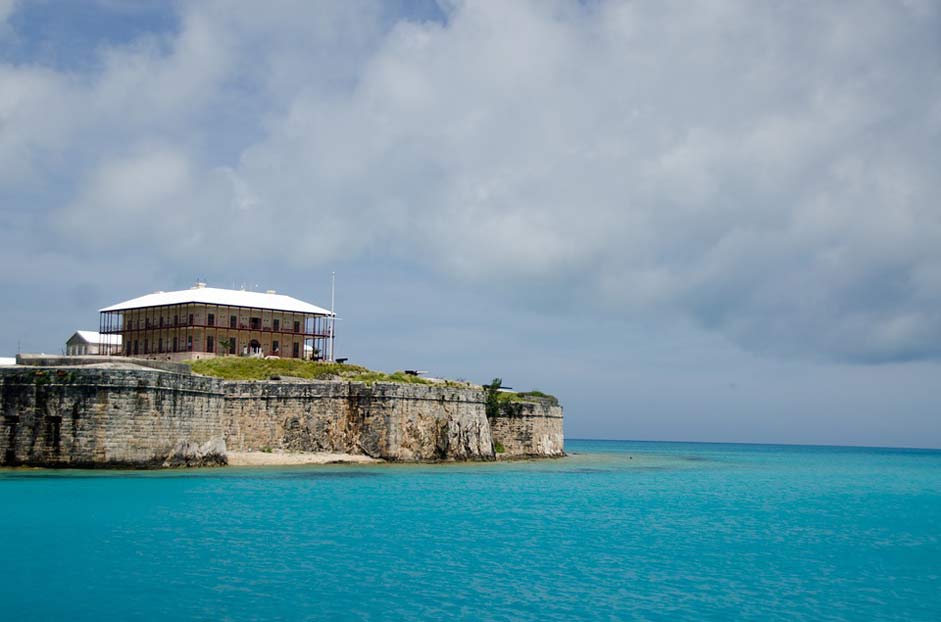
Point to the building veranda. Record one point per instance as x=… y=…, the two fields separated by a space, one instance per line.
x=203 y=322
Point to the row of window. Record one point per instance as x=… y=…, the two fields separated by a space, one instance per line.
x=254 y=323
x=147 y=323
x=134 y=347
x=227 y=346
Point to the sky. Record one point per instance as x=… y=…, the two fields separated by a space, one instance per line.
x=704 y=221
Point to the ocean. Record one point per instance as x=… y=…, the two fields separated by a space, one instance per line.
x=615 y=531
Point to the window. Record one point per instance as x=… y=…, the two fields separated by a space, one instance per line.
x=233 y=321
x=297 y=350
x=160 y=345
x=211 y=319
x=191 y=319
x=297 y=327
x=135 y=346
x=146 y=348
x=210 y=344
x=176 y=320
x=254 y=323
x=276 y=324
x=234 y=349
x=161 y=321
x=189 y=343
x=176 y=345
x=127 y=349
x=275 y=347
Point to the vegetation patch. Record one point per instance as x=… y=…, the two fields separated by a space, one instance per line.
x=492 y=397
x=243 y=368
x=370 y=377
x=528 y=396
x=497 y=402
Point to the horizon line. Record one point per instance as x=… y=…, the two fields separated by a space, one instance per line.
x=824 y=445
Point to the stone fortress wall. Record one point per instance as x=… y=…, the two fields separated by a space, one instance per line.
x=74 y=416
x=89 y=416
x=529 y=429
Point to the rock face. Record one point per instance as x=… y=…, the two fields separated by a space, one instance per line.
x=190 y=454
x=142 y=418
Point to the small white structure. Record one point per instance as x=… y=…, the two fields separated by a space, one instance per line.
x=85 y=342
x=5 y=360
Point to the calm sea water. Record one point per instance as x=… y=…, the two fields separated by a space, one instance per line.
x=618 y=531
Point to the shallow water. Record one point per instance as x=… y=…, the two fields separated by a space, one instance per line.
x=619 y=530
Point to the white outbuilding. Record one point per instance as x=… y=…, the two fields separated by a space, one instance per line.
x=84 y=342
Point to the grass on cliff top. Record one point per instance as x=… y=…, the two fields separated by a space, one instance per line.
x=244 y=368
x=527 y=396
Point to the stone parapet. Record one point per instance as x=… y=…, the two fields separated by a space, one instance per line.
x=48 y=360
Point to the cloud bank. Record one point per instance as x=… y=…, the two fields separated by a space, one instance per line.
x=768 y=170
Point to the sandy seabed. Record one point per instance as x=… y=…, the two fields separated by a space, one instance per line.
x=275 y=458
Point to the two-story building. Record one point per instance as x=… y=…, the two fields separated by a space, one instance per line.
x=205 y=321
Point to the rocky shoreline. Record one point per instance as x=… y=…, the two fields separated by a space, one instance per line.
x=283 y=458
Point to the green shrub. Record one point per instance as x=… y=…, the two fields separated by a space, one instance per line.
x=528 y=396
x=538 y=396
x=492 y=397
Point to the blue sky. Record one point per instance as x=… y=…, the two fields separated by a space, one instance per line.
x=712 y=221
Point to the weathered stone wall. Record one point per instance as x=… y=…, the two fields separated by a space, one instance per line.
x=92 y=417
x=390 y=421
x=81 y=416
x=529 y=429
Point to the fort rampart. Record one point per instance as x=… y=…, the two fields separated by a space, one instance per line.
x=93 y=416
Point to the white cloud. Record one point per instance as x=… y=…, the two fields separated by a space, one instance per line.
x=765 y=169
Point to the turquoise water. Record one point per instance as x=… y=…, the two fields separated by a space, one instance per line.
x=618 y=531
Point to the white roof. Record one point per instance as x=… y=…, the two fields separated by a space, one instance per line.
x=7 y=361
x=223 y=297
x=93 y=336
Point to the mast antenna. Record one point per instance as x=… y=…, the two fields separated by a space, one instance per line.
x=333 y=315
